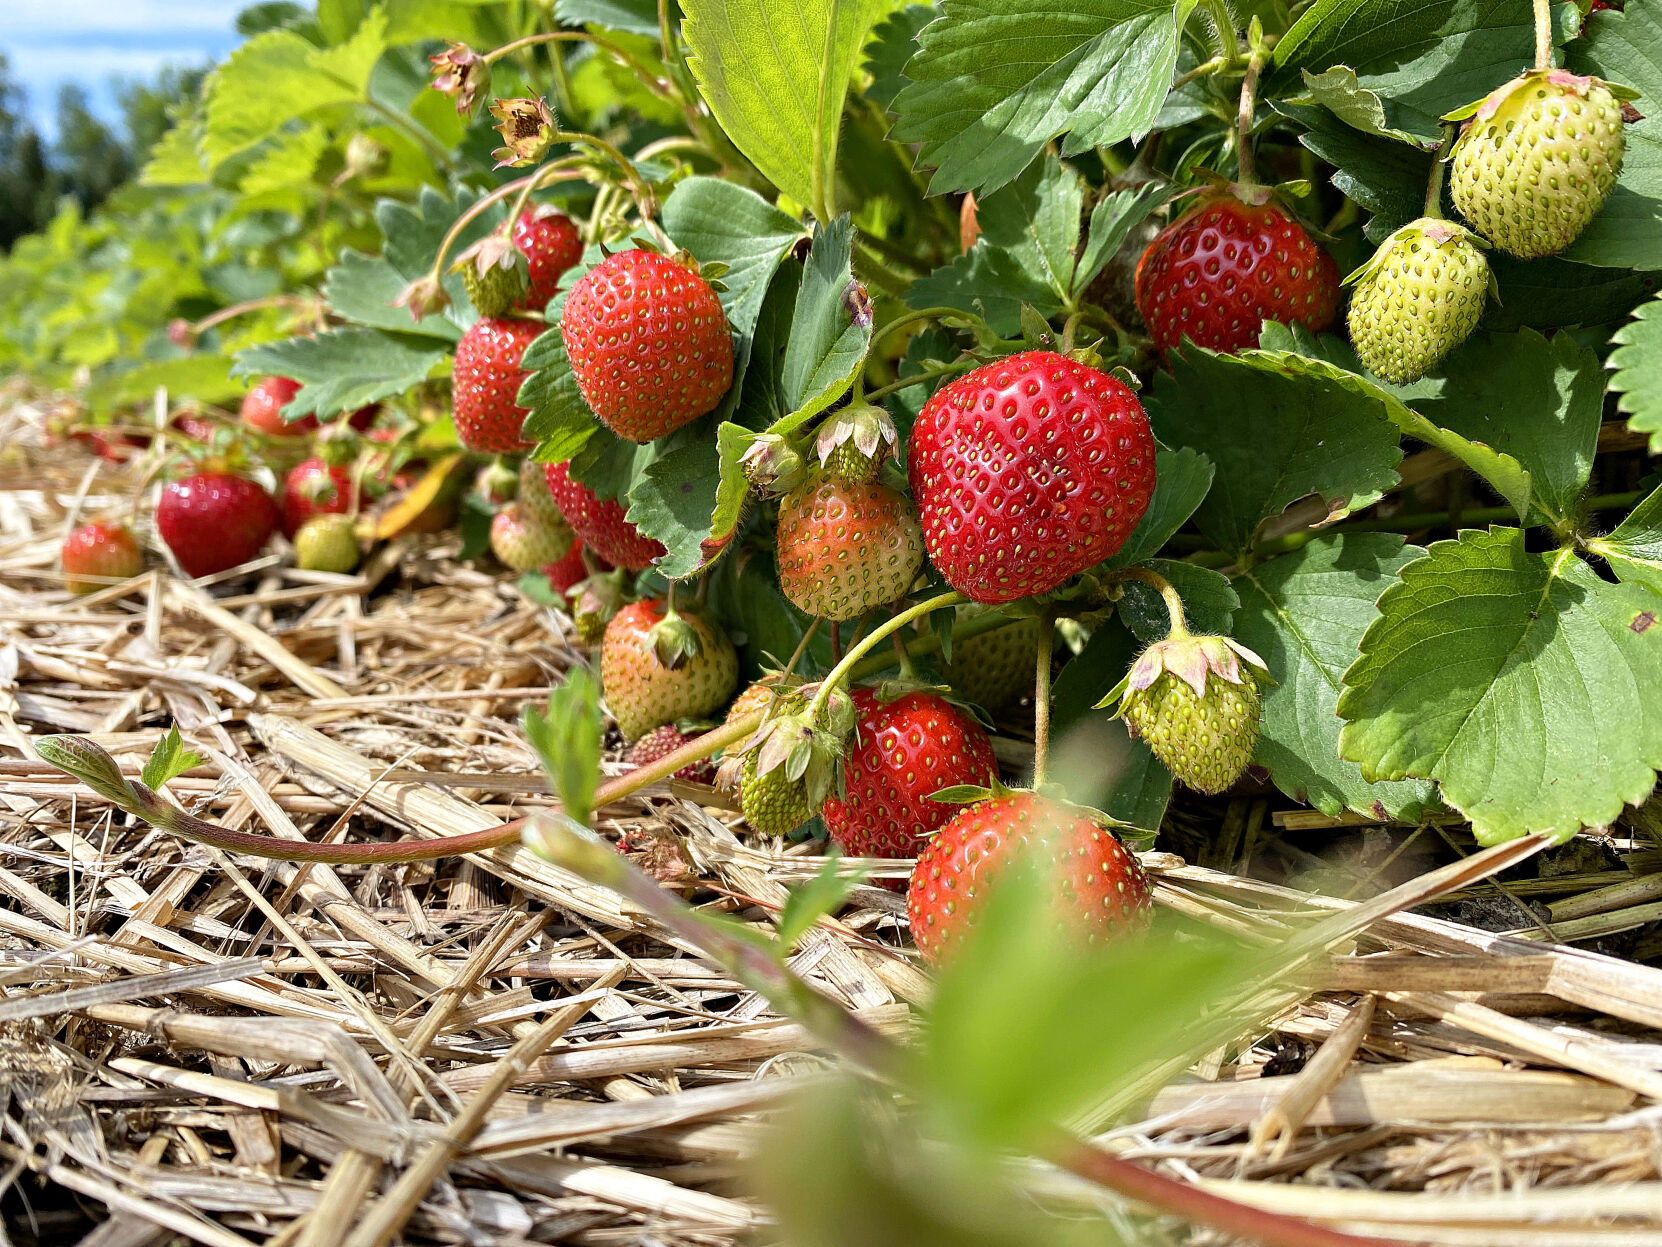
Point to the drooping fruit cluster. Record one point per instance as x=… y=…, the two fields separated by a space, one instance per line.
x=1195 y=700
x=1418 y=298
x=1027 y=471
x=658 y=667
x=1224 y=267
x=97 y=554
x=648 y=343
x=846 y=547
x=600 y=522
x=903 y=752
x=1101 y=887
x=486 y=381
x=1537 y=160
x=214 y=521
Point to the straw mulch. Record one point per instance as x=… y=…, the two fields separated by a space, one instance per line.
x=229 y=1051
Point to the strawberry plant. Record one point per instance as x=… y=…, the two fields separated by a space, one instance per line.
x=1261 y=395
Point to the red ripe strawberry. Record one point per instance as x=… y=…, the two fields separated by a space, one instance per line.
x=571 y=570
x=1103 y=888
x=1224 y=267
x=903 y=751
x=656 y=668
x=600 y=522
x=103 y=552
x=262 y=409
x=551 y=245
x=846 y=546
x=648 y=343
x=215 y=520
x=1026 y=471
x=313 y=487
x=660 y=742
x=486 y=381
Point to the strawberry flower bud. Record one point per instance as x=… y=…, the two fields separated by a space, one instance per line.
x=527 y=128
x=1195 y=700
x=771 y=464
x=461 y=72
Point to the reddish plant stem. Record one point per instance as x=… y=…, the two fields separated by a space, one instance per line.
x=1193 y=1204
x=154 y=810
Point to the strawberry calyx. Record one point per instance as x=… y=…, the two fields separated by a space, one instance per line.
x=595 y=601
x=674 y=640
x=855 y=441
x=1192 y=659
x=1561 y=79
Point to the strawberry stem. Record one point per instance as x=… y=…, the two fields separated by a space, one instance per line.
x=1041 y=699
x=839 y=673
x=1244 y=163
x=661 y=87
x=802 y=647
x=1174 y=603
x=70 y=755
x=1543 y=34
x=1434 y=186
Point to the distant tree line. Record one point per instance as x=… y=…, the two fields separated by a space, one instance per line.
x=88 y=159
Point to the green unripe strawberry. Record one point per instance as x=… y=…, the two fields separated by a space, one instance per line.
x=1537 y=160
x=1418 y=298
x=525 y=544
x=1195 y=700
x=993 y=669
x=327 y=543
x=773 y=803
x=535 y=498
x=853 y=443
x=495 y=274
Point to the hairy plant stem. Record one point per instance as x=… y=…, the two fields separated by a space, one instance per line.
x=1243 y=117
x=94 y=767
x=922 y=378
x=1153 y=579
x=660 y=87
x=840 y=673
x=1215 y=65
x=1223 y=24
x=802 y=647
x=1434 y=185
x=1543 y=34
x=1041 y=698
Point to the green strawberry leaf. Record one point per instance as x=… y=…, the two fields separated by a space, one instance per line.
x=344 y=369
x=775 y=76
x=278 y=76
x=1093 y=758
x=819 y=897
x=635 y=17
x=1527 y=687
x=1552 y=293
x=1208 y=601
x=1419 y=61
x=1112 y=220
x=1637 y=363
x=1304 y=613
x=1627 y=232
x=893 y=40
x=831 y=327
x=1537 y=401
x=1634 y=549
x=566 y=739
x=204 y=377
x=727 y=224
x=1339 y=92
x=557 y=419
x=168 y=760
x=1276 y=432
x=1298 y=351
x=992 y=84
x=1385 y=177
x=673 y=501
x=1182 y=479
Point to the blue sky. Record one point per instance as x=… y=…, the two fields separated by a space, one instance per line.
x=93 y=42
